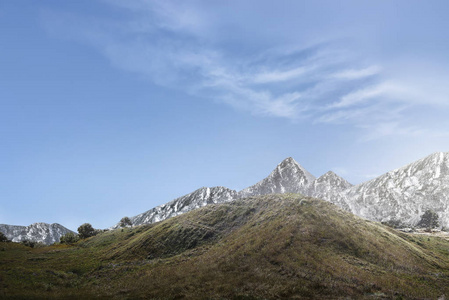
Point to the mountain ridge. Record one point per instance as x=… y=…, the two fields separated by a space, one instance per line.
x=198 y=198
x=402 y=194
x=290 y=177
x=37 y=232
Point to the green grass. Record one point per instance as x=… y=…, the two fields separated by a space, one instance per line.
x=268 y=247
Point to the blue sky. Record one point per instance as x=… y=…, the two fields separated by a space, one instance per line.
x=109 y=108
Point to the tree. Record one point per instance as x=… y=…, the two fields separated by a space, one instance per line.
x=393 y=223
x=69 y=238
x=125 y=221
x=86 y=230
x=3 y=237
x=429 y=220
x=33 y=244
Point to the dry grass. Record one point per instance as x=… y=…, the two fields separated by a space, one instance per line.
x=269 y=247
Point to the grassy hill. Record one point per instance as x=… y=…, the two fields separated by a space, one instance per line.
x=268 y=247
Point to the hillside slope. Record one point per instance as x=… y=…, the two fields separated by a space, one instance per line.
x=267 y=247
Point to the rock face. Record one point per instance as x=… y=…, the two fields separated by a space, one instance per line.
x=198 y=198
x=330 y=187
x=288 y=177
x=37 y=232
x=404 y=194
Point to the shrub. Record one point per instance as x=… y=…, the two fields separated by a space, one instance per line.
x=428 y=220
x=125 y=221
x=69 y=238
x=3 y=237
x=86 y=230
x=394 y=223
x=33 y=244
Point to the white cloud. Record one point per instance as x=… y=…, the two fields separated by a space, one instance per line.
x=381 y=130
x=359 y=96
x=277 y=76
x=352 y=74
x=170 y=44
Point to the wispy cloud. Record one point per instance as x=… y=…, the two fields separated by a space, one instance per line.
x=352 y=74
x=385 y=129
x=278 y=76
x=359 y=96
x=176 y=45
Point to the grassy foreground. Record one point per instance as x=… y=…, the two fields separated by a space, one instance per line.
x=268 y=247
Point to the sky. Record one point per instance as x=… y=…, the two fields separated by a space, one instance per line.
x=109 y=108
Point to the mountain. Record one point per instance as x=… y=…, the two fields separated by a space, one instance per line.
x=37 y=232
x=329 y=187
x=266 y=247
x=288 y=177
x=404 y=194
x=400 y=195
x=196 y=199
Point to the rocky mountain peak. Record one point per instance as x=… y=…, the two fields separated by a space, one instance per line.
x=198 y=198
x=289 y=166
x=405 y=193
x=329 y=186
x=287 y=177
x=36 y=232
x=334 y=180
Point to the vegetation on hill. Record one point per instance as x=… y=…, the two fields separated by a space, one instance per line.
x=268 y=247
x=429 y=220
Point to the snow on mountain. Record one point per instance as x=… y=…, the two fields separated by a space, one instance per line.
x=329 y=187
x=404 y=194
x=287 y=177
x=37 y=232
x=196 y=199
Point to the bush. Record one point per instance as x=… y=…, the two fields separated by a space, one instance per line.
x=429 y=220
x=69 y=238
x=3 y=237
x=86 y=230
x=33 y=244
x=125 y=221
x=394 y=223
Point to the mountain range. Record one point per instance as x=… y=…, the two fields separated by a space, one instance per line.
x=401 y=195
x=37 y=232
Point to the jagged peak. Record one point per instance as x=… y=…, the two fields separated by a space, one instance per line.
x=288 y=160
x=330 y=174
x=205 y=189
x=219 y=187
x=436 y=155
x=332 y=180
x=40 y=224
x=291 y=163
